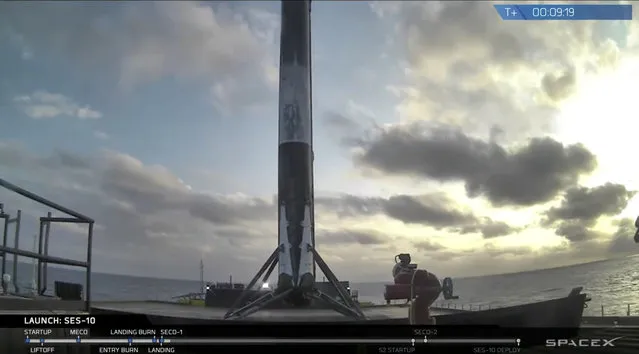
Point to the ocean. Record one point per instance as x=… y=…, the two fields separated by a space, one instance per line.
x=611 y=283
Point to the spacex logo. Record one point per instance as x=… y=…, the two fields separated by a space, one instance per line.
x=582 y=343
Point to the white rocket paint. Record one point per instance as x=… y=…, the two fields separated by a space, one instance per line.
x=306 y=256
x=295 y=110
x=284 y=258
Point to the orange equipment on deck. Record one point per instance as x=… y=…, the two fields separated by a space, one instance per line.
x=416 y=285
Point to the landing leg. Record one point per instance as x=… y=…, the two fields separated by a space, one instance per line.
x=347 y=307
x=346 y=298
x=270 y=265
x=336 y=305
x=258 y=304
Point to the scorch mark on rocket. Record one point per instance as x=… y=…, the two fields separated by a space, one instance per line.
x=292 y=121
x=295 y=125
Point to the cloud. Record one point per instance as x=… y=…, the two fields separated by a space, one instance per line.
x=477 y=101
x=576 y=231
x=430 y=210
x=429 y=246
x=529 y=174
x=150 y=222
x=65 y=159
x=588 y=204
x=100 y=135
x=340 y=121
x=367 y=237
x=229 y=48
x=42 y=104
x=559 y=86
x=135 y=202
x=464 y=67
x=489 y=228
x=581 y=207
x=622 y=241
x=11 y=154
x=355 y=109
x=344 y=128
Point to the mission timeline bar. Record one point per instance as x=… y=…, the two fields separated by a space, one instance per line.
x=256 y=341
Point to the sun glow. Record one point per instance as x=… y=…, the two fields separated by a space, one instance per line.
x=603 y=116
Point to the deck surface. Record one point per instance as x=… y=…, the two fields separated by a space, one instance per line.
x=17 y=304
x=281 y=315
x=10 y=304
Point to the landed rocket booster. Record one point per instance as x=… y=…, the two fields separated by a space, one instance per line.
x=295 y=155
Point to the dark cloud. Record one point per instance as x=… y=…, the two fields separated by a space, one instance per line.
x=588 y=204
x=433 y=210
x=581 y=207
x=576 y=231
x=221 y=211
x=68 y=159
x=347 y=205
x=369 y=237
x=12 y=154
x=16 y=155
x=428 y=246
x=531 y=174
x=623 y=238
x=559 y=86
x=489 y=228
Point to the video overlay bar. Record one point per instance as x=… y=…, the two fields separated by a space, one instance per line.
x=132 y=330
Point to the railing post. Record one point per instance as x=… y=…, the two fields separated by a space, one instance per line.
x=628 y=312
x=45 y=265
x=602 y=310
x=5 y=218
x=40 y=253
x=16 y=245
x=87 y=296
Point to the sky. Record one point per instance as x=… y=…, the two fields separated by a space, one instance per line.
x=478 y=146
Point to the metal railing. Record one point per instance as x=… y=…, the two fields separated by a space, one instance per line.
x=464 y=307
x=626 y=309
x=603 y=310
x=42 y=256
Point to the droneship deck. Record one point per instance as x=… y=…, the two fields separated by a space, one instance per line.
x=168 y=313
x=561 y=312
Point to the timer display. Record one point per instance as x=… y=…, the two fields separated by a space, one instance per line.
x=547 y=12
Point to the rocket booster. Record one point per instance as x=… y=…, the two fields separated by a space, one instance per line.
x=295 y=152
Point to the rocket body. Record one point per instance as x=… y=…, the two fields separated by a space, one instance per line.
x=295 y=152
